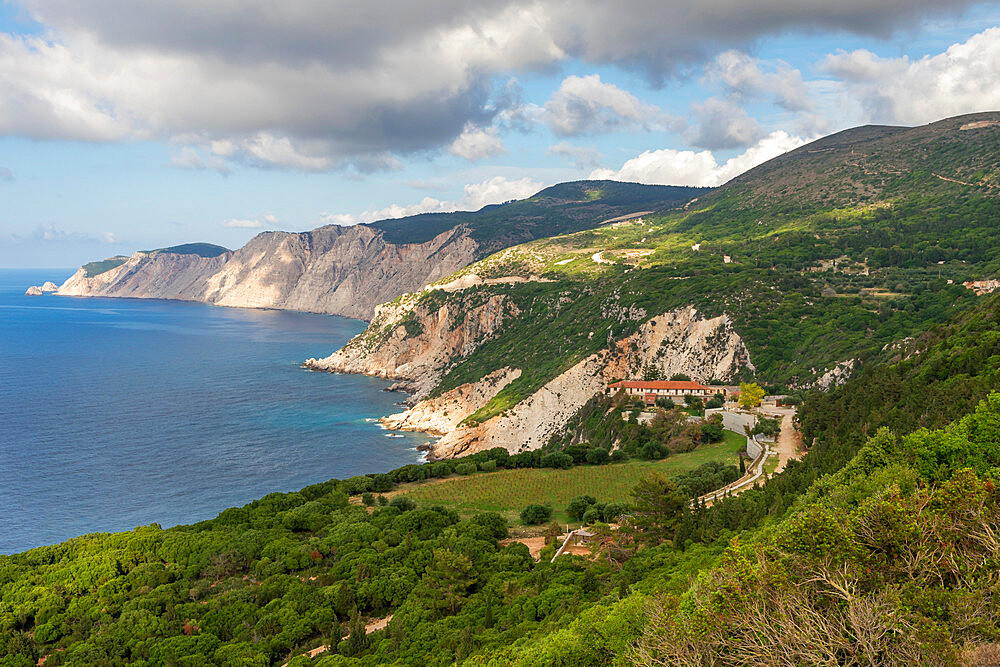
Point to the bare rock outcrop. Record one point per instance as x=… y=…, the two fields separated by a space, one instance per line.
x=389 y=348
x=334 y=270
x=837 y=375
x=679 y=341
x=34 y=290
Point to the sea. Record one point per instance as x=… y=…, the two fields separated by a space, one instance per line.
x=117 y=413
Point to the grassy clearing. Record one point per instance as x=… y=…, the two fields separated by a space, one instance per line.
x=508 y=491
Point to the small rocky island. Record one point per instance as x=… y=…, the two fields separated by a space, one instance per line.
x=47 y=286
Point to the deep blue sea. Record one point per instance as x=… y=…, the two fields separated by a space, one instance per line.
x=116 y=413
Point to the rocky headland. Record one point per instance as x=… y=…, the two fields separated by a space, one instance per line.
x=333 y=270
x=678 y=341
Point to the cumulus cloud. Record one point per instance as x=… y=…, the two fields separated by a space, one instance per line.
x=477 y=143
x=722 y=124
x=315 y=85
x=6 y=175
x=750 y=77
x=496 y=190
x=587 y=105
x=672 y=167
x=899 y=90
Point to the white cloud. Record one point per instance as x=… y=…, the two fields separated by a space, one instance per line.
x=236 y=223
x=751 y=77
x=315 y=85
x=477 y=143
x=587 y=105
x=722 y=124
x=494 y=190
x=673 y=167
x=963 y=79
x=497 y=190
x=271 y=150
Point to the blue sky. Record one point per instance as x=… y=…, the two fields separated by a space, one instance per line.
x=130 y=125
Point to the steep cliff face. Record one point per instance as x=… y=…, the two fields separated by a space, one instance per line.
x=148 y=275
x=679 y=341
x=334 y=270
x=389 y=348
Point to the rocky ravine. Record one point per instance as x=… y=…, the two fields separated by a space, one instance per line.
x=679 y=341
x=334 y=270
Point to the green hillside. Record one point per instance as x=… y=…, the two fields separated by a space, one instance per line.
x=92 y=269
x=826 y=254
x=558 y=209
x=888 y=558
x=200 y=249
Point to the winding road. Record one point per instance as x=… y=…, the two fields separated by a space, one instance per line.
x=787 y=447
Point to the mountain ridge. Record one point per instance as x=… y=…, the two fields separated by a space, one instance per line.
x=349 y=270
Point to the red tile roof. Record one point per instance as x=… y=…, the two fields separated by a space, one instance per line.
x=658 y=384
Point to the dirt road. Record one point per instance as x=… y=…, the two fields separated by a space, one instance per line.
x=789 y=443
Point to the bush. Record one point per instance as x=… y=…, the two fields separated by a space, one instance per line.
x=592 y=515
x=488 y=466
x=367 y=498
x=652 y=451
x=716 y=401
x=533 y=515
x=465 y=468
x=665 y=403
x=619 y=456
x=597 y=456
x=441 y=469
x=382 y=483
x=557 y=460
x=382 y=500
x=403 y=504
x=611 y=511
x=712 y=431
x=359 y=484
x=578 y=506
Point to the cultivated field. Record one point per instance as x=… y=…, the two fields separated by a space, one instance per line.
x=508 y=491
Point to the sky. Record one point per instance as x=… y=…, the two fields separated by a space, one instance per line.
x=136 y=124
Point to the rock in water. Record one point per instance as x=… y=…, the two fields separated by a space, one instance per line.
x=34 y=290
x=49 y=286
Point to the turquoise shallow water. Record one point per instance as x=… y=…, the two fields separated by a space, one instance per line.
x=118 y=412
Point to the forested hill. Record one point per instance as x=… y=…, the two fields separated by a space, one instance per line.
x=558 y=209
x=870 y=163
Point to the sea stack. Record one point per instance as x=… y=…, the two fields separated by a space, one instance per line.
x=34 y=290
